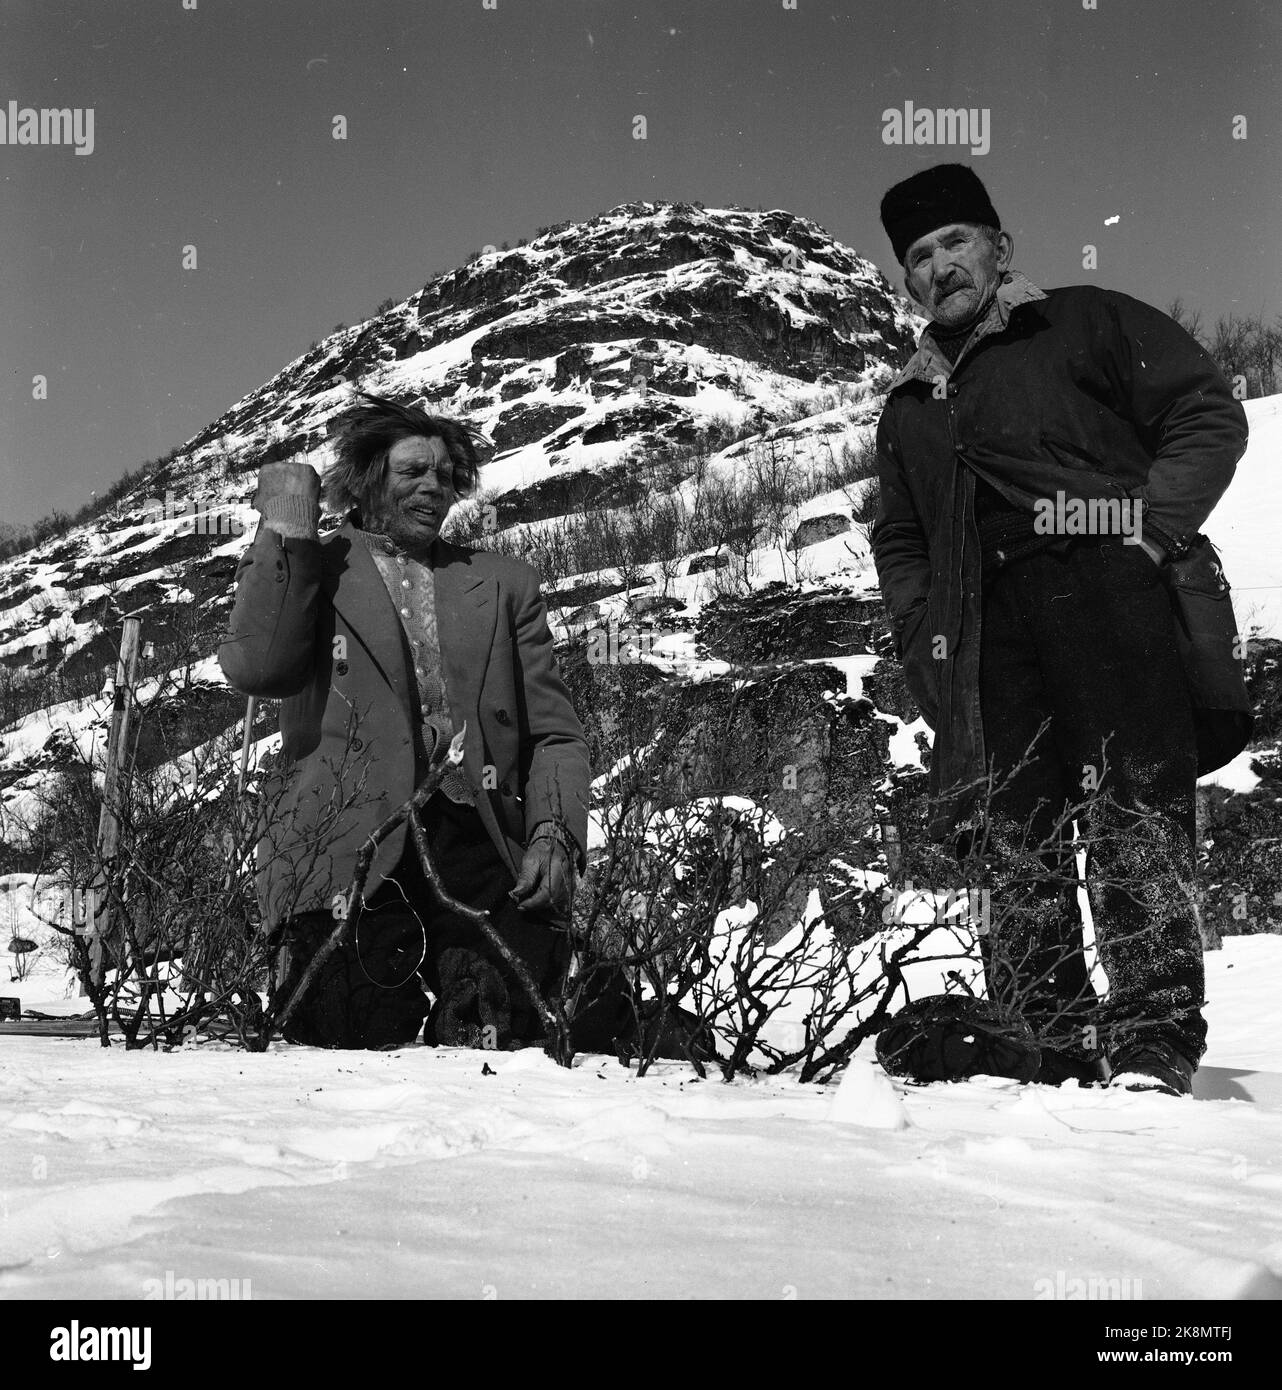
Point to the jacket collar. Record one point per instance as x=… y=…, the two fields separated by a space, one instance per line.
x=466 y=614
x=928 y=361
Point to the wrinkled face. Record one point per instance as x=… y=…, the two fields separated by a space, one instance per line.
x=954 y=271
x=418 y=492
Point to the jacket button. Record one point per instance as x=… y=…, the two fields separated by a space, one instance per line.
x=505 y=788
x=503 y=716
x=357 y=745
x=341 y=668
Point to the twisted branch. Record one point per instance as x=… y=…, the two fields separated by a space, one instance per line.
x=443 y=758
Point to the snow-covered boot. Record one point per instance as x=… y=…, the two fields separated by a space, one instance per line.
x=949 y=1037
x=1152 y=1066
x=1069 y=1064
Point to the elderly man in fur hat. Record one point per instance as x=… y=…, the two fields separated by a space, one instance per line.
x=382 y=640
x=1021 y=636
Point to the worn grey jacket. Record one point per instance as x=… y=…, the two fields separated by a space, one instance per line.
x=313 y=625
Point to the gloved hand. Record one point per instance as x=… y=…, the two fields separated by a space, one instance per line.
x=546 y=881
x=275 y=479
x=288 y=498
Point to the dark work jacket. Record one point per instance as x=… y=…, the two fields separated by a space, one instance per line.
x=1076 y=390
x=313 y=625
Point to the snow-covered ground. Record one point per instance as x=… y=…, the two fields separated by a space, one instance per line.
x=304 y=1174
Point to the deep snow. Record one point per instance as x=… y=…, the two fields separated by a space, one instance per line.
x=409 y=1174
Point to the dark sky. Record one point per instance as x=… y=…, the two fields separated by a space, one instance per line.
x=467 y=125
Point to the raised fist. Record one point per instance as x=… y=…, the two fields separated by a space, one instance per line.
x=279 y=479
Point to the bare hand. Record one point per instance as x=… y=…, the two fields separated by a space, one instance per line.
x=546 y=881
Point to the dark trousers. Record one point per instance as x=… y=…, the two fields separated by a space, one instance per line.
x=371 y=992
x=1082 y=635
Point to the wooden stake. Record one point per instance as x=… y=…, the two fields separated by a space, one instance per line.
x=109 y=820
x=251 y=708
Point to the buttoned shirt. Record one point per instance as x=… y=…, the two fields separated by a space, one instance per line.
x=412 y=588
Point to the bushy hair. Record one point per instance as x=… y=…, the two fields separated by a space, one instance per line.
x=364 y=436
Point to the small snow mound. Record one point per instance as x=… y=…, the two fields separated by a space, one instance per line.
x=524 y=1059
x=867 y=1098
x=1217 y=1276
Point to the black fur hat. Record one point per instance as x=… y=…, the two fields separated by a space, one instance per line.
x=934 y=198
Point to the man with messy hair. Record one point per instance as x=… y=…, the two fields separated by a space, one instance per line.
x=380 y=641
